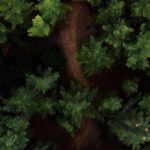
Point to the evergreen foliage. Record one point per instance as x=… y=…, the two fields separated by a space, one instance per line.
x=45 y=83
x=21 y=106
x=94 y=57
x=13 y=132
x=141 y=9
x=120 y=49
x=50 y=11
x=73 y=106
x=26 y=101
x=119 y=37
x=2 y=33
x=14 y=11
x=131 y=86
x=111 y=104
x=39 y=28
x=145 y=103
x=133 y=129
x=94 y=2
x=138 y=52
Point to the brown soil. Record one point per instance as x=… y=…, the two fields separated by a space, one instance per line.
x=77 y=28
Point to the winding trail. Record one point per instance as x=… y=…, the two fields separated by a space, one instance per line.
x=78 y=27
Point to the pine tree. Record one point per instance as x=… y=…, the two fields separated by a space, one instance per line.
x=35 y=77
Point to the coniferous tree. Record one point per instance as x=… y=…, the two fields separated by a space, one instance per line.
x=45 y=44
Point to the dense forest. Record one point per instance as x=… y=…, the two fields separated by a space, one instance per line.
x=74 y=74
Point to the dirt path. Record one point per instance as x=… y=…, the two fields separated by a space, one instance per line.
x=78 y=27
